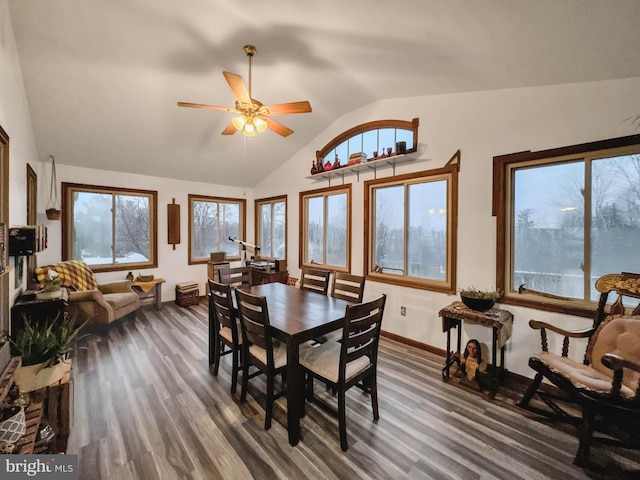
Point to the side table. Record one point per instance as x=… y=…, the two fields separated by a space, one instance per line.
x=151 y=290
x=500 y=321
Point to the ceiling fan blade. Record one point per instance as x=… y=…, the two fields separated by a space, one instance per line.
x=289 y=108
x=230 y=130
x=208 y=107
x=237 y=87
x=276 y=127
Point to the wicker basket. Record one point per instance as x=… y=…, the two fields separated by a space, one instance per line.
x=184 y=299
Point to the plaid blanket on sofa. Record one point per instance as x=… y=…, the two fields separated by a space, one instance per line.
x=74 y=274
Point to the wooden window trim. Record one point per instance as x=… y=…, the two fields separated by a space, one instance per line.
x=323 y=191
x=450 y=172
x=375 y=125
x=240 y=201
x=272 y=200
x=500 y=209
x=67 y=223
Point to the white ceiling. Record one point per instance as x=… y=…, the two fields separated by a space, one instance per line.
x=103 y=76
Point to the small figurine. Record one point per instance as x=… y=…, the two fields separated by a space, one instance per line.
x=472 y=362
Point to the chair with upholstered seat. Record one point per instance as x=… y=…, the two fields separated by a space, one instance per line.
x=606 y=385
x=97 y=304
x=224 y=330
x=267 y=354
x=352 y=362
x=235 y=276
x=345 y=287
x=315 y=280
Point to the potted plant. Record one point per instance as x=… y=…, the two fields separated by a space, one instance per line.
x=479 y=300
x=44 y=350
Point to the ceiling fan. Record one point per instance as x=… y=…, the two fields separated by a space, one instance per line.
x=254 y=116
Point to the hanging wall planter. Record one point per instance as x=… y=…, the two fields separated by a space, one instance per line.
x=53 y=207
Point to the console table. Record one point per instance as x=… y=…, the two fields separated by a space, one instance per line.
x=500 y=321
x=151 y=290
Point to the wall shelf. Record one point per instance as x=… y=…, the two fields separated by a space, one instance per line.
x=373 y=165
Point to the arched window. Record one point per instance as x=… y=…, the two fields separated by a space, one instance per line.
x=374 y=139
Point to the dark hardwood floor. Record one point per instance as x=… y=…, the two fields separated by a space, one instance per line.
x=148 y=407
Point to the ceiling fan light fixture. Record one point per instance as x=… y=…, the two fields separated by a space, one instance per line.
x=260 y=124
x=249 y=130
x=239 y=122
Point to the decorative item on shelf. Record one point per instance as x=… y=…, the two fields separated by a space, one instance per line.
x=357 y=158
x=389 y=150
x=328 y=166
x=44 y=348
x=144 y=278
x=401 y=148
x=479 y=300
x=130 y=276
x=336 y=162
x=53 y=206
x=319 y=166
x=314 y=169
x=375 y=154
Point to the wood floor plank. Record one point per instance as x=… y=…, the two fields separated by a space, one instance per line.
x=147 y=406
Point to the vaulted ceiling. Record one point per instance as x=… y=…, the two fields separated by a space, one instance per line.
x=103 y=77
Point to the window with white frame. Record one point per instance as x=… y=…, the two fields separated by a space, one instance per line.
x=109 y=228
x=325 y=220
x=570 y=215
x=271 y=226
x=411 y=229
x=212 y=221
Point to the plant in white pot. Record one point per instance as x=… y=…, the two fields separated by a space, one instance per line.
x=44 y=350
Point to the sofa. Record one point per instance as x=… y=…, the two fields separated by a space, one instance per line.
x=89 y=301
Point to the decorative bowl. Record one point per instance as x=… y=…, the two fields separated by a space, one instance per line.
x=479 y=304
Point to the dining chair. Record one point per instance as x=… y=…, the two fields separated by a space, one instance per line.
x=224 y=330
x=315 y=280
x=347 y=287
x=235 y=276
x=351 y=362
x=267 y=354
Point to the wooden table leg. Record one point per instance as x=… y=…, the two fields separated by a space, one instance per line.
x=158 y=293
x=294 y=388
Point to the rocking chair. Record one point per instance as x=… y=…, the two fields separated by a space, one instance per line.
x=606 y=385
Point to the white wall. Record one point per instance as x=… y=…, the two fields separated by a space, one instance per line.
x=172 y=264
x=16 y=122
x=482 y=125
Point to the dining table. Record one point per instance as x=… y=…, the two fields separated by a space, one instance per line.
x=297 y=316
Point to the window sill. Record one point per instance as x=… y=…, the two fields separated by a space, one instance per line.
x=577 y=308
x=404 y=282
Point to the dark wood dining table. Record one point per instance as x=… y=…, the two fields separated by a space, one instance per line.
x=297 y=316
